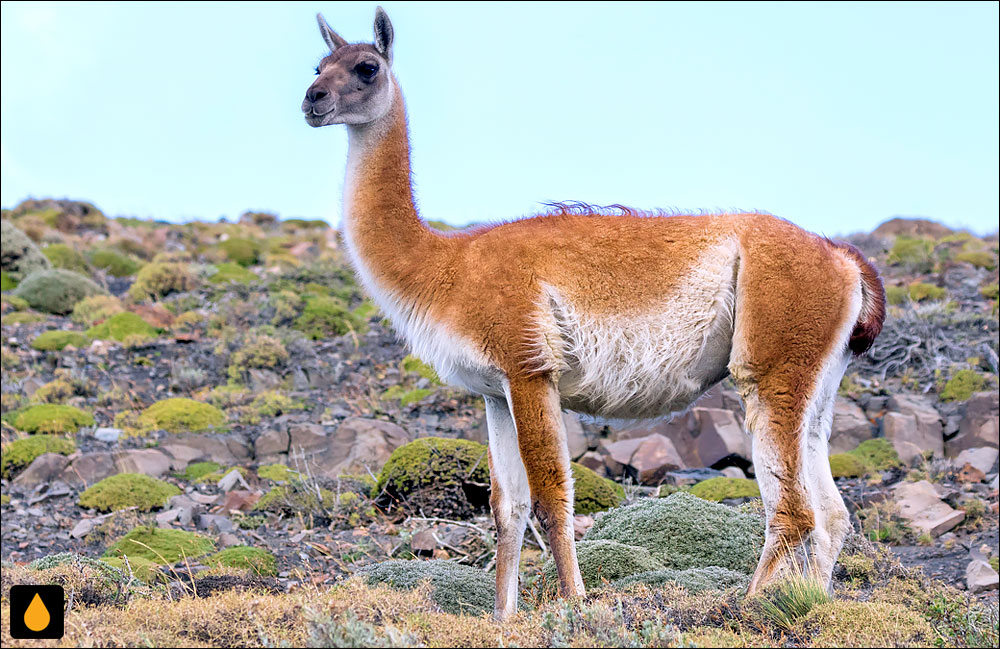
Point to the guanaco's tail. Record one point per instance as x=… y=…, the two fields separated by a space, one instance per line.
x=872 y=315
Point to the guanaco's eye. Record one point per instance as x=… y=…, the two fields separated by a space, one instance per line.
x=366 y=71
x=317 y=70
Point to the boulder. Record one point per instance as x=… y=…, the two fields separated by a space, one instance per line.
x=271 y=443
x=980 y=577
x=43 y=469
x=911 y=435
x=682 y=431
x=593 y=461
x=721 y=439
x=652 y=459
x=357 y=446
x=618 y=454
x=307 y=437
x=148 y=461
x=576 y=438
x=980 y=425
x=850 y=427
x=88 y=469
x=225 y=449
x=983 y=459
x=922 y=508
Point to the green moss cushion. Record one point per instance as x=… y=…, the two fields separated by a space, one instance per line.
x=128 y=490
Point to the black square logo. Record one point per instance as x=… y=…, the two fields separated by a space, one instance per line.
x=36 y=612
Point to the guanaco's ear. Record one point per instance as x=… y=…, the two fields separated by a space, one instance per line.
x=383 y=34
x=332 y=38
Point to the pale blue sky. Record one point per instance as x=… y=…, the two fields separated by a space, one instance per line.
x=835 y=116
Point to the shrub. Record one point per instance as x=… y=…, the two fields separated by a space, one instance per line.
x=116 y=263
x=592 y=493
x=258 y=351
x=978 y=258
x=179 y=415
x=877 y=454
x=286 y=304
x=921 y=291
x=62 y=256
x=694 y=580
x=845 y=465
x=683 y=531
x=240 y=251
x=55 y=391
x=413 y=364
x=325 y=317
x=257 y=560
x=278 y=473
x=962 y=385
x=305 y=224
x=123 y=326
x=441 y=477
x=52 y=418
x=142 y=569
x=913 y=252
x=296 y=497
x=896 y=295
x=96 y=308
x=7 y=283
x=865 y=624
x=19 y=256
x=128 y=490
x=271 y=404
x=161 y=546
x=406 y=397
x=56 y=290
x=717 y=489
x=457 y=589
x=55 y=340
x=95 y=581
x=198 y=470
x=990 y=291
x=22 y=317
x=15 y=303
x=158 y=279
x=22 y=452
x=229 y=272
x=605 y=561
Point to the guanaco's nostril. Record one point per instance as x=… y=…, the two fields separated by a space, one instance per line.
x=316 y=94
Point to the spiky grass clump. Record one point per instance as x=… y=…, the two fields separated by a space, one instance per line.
x=128 y=490
x=786 y=602
x=161 y=546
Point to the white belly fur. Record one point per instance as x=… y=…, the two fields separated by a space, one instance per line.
x=643 y=365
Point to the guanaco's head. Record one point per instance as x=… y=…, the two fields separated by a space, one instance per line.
x=354 y=82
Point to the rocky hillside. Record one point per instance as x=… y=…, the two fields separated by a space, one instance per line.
x=207 y=413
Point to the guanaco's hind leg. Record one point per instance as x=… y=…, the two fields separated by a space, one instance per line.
x=541 y=436
x=789 y=352
x=510 y=501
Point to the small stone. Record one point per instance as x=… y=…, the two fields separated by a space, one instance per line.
x=582 y=523
x=228 y=540
x=924 y=510
x=84 y=527
x=163 y=519
x=229 y=481
x=734 y=472
x=215 y=523
x=423 y=541
x=593 y=461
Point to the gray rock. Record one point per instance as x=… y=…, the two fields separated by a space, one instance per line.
x=688 y=477
x=85 y=526
x=306 y=437
x=576 y=438
x=652 y=459
x=215 y=523
x=182 y=455
x=850 y=427
x=228 y=540
x=108 y=434
x=734 y=472
x=593 y=461
x=88 y=468
x=912 y=434
x=983 y=459
x=980 y=425
x=225 y=449
x=148 y=461
x=229 y=481
x=164 y=518
x=980 y=577
x=921 y=507
x=618 y=454
x=721 y=437
x=42 y=470
x=358 y=445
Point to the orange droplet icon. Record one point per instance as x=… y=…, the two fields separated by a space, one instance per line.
x=36 y=617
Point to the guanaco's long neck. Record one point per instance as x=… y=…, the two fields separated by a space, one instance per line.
x=392 y=248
